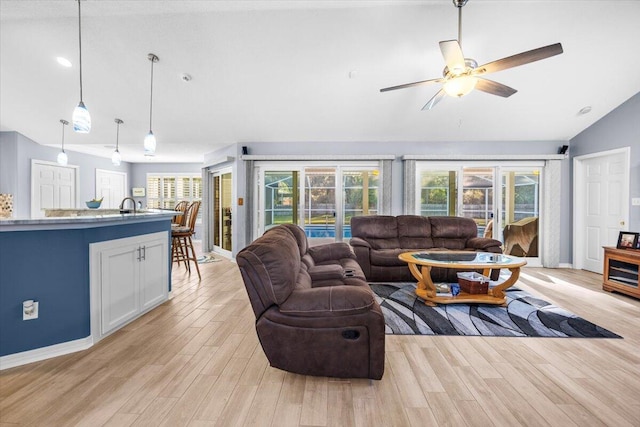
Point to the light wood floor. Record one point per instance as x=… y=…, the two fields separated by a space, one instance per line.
x=196 y=361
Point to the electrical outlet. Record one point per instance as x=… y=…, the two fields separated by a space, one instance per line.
x=33 y=315
x=635 y=201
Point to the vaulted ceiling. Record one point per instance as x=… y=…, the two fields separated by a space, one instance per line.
x=306 y=71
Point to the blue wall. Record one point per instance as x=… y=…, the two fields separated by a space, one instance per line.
x=51 y=267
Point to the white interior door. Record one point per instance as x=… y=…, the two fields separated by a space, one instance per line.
x=601 y=207
x=111 y=186
x=52 y=187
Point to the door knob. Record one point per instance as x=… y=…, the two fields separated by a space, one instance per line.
x=621 y=222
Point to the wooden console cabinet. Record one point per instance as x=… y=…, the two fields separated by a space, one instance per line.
x=620 y=272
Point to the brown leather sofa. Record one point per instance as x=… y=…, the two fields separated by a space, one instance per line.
x=315 y=313
x=378 y=240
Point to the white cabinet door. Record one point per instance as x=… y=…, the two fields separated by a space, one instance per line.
x=154 y=273
x=131 y=277
x=120 y=286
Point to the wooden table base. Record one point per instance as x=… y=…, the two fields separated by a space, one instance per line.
x=427 y=290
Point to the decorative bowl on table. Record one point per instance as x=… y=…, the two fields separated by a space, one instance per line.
x=94 y=204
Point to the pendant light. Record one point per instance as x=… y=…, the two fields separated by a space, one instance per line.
x=115 y=157
x=150 y=139
x=62 y=156
x=81 y=118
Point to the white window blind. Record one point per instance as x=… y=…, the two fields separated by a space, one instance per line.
x=165 y=190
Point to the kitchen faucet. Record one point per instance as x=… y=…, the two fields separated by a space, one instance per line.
x=132 y=201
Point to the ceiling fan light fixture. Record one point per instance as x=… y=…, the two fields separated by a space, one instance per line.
x=460 y=86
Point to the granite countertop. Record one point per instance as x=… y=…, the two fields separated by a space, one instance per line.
x=74 y=218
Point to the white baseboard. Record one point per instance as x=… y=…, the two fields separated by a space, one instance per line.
x=30 y=356
x=565 y=265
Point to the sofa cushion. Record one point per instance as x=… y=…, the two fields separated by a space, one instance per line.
x=329 y=301
x=414 y=232
x=278 y=253
x=452 y=232
x=379 y=226
x=387 y=257
x=298 y=234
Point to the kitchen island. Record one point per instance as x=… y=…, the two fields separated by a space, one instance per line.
x=89 y=275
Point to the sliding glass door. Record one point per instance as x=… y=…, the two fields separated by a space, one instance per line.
x=221 y=192
x=320 y=199
x=503 y=200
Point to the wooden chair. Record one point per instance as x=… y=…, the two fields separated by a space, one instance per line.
x=180 y=219
x=182 y=245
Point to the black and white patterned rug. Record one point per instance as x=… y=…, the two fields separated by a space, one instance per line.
x=524 y=316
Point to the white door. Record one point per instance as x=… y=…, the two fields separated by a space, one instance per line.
x=52 y=187
x=111 y=186
x=601 y=205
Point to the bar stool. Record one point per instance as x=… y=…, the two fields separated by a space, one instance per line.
x=180 y=219
x=182 y=245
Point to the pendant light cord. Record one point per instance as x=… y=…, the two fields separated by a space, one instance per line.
x=80 y=45
x=151 y=97
x=117 y=135
x=64 y=123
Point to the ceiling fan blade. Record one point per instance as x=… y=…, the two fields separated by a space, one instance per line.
x=520 y=59
x=452 y=53
x=433 y=101
x=494 y=88
x=406 y=85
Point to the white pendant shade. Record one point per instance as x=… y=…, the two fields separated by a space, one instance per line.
x=81 y=119
x=150 y=144
x=62 y=158
x=116 y=158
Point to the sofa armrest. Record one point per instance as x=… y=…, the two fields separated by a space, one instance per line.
x=326 y=272
x=357 y=241
x=483 y=243
x=332 y=301
x=330 y=252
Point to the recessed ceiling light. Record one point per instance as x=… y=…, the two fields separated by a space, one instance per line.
x=64 y=61
x=584 y=110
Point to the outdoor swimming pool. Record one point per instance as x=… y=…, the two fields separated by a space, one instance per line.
x=325 y=231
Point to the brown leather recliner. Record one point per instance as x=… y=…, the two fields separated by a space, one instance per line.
x=315 y=314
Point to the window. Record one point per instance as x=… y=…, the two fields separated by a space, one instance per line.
x=165 y=190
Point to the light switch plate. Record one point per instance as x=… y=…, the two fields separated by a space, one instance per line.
x=635 y=201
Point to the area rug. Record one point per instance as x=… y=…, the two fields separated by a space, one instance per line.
x=524 y=316
x=206 y=258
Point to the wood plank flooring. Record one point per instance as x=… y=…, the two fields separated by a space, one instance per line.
x=196 y=361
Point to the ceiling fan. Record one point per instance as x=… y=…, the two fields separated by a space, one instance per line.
x=461 y=75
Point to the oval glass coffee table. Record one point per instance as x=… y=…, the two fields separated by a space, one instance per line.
x=420 y=264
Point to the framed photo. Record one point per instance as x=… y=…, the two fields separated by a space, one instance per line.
x=627 y=240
